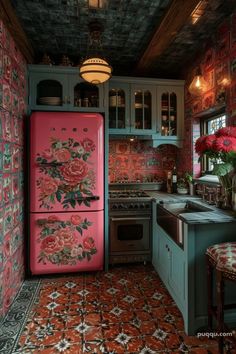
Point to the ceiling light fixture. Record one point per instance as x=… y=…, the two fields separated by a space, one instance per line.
x=94 y=68
x=198 y=11
x=97 y=4
x=198 y=86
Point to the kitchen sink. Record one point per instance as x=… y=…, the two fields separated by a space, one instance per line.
x=168 y=217
x=185 y=207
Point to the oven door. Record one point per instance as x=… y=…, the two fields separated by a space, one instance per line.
x=129 y=233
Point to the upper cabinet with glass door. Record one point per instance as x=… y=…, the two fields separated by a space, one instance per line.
x=131 y=107
x=143 y=108
x=61 y=89
x=119 y=107
x=170 y=102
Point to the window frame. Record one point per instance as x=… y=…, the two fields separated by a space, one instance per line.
x=204 y=125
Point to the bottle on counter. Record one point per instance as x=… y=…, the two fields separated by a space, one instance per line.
x=169 y=182
x=174 y=180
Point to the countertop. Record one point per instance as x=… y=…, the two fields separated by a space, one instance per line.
x=217 y=215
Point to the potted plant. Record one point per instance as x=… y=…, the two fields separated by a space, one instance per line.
x=182 y=186
x=189 y=179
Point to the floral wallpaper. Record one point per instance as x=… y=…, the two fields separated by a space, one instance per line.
x=218 y=66
x=138 y=162
x=13 y=94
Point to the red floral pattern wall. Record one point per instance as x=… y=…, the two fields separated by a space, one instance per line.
x=138 y=162
x=218 y=65
x=13 y=98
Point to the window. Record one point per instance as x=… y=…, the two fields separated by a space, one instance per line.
x=210 y=126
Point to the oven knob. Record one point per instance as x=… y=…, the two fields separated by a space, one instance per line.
x=131 y=206
x=121 y=206
x=142 y=206
x=114 y=206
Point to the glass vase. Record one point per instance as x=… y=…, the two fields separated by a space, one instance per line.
x=226 y=182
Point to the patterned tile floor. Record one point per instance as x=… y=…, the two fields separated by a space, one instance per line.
x=125 y=310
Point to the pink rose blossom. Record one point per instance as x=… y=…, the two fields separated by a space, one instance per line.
x=88 y=243
x=52 y=244
x=48 y=185
x=88 y=145
x=62 y=155
x=67 y=235
x=74 y=171
x=76 y=219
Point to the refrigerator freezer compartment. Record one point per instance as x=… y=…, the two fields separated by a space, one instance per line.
x=66 y=242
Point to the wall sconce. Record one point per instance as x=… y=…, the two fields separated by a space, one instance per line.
x=94 y=69
x=198 y=86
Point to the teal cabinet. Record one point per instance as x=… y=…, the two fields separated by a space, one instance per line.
x=151 y=107
x=132 y=109
x=183 y=271
x=169 y=261
x=119 y=107
x=60 y=89
x=143 y=108
x=170 y=112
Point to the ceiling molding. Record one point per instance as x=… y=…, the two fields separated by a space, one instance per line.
x=8 y=16
x=177 y=15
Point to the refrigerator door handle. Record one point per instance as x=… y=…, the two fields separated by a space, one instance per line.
x=50 y=163
x=93 y=197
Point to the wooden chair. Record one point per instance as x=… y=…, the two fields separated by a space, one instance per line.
x=222 y=258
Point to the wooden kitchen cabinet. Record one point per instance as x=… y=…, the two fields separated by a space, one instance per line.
x=60 y=89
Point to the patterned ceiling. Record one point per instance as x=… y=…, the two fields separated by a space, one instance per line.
x=60 y=27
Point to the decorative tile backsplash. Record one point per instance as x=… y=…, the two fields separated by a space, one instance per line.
x=138 y=162
x=13 y=98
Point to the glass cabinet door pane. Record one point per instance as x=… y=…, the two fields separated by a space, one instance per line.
x=168 y=114
x=117 y=103
x=86 y=95
x=173 y=114
x=143 y=109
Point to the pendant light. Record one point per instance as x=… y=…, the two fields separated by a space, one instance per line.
x=198 y=86
x=95 y=69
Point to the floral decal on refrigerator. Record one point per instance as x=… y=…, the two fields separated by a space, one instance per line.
x=60 y=241
x=67 y=173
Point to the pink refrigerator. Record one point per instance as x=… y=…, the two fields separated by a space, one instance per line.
x=66 y=192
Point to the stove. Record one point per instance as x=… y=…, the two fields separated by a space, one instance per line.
x=134 y=200
x=132 y=193
x=130 y=225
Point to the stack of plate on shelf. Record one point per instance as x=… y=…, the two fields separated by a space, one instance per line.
x=50 y=101
x=140 y=105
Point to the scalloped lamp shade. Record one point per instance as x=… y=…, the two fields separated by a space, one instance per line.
x=95 y=70
x=198 y=86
